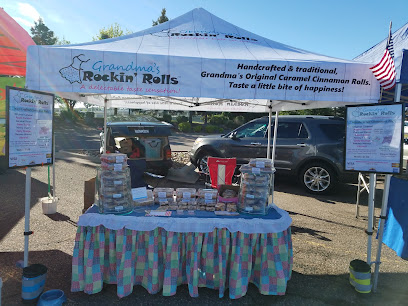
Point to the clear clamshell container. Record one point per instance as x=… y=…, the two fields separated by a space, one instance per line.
x=113 y=191
x=163 y=196
x=256 y=186
x=208 y=194
x=185 y=193
x=113 y=158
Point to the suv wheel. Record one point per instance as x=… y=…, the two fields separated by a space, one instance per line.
x=202 y=161
x=317 y=178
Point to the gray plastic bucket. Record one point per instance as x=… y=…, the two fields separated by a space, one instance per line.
x=33 y=282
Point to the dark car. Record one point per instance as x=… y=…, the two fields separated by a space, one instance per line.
x=307 y=147
x=147 y=139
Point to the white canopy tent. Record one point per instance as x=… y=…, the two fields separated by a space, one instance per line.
x=198 y=62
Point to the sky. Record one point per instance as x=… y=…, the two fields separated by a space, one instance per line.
x=342 y=29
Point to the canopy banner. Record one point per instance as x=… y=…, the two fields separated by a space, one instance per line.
x=199 y=55
x=85 y=71
x=182 y=104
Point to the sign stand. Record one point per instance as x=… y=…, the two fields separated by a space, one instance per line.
x=374 y=145
x=29 y=140
x=27 y=231
x=381 y=230
x=370 y=224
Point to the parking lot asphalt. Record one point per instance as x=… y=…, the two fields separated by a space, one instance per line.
x=326 y=236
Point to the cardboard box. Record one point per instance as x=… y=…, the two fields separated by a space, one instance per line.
x=125 y=146
x=222 y=188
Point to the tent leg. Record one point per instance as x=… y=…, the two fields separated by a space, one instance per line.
x=268 y=149
x=275 y=132
x=53 y=169
x=358 y=195
x=27 y=215
x=105 y=136
x=370 y=226
x=397 y=98
x=361 y=179
x=381 y=230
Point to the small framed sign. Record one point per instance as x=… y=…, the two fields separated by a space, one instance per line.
x=29 y=136
x=374 y=138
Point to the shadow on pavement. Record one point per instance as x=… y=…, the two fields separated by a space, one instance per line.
x=58 y=275
x=302 y=289
x=304 y=230
x=12 y=191
x=345 y=193
x=62 y=218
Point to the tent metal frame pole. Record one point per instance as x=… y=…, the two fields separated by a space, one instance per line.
x=105 y=112
x=370 y=226
x=27 y=215
x=381 y=230
x=397 y=98
x=275 y=133
x=371 y=198
x=53 y=169
x=268 y=150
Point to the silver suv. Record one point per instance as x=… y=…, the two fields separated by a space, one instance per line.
x=308 y=147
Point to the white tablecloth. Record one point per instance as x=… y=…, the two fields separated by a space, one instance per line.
x=191 y=224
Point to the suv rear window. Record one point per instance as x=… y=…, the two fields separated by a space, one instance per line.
x=333 y=131
x=292 y=130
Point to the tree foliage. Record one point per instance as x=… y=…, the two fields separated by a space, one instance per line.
x=162 y=18
x=63 y=41
x=114 y=30
x=68 y=103
x=333 y=111
x=42 y=35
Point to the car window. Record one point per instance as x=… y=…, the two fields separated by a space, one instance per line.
x=254 y=129
x=333 y=131
x=292 y=130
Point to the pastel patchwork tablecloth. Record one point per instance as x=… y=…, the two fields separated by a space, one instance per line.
x=159 y=259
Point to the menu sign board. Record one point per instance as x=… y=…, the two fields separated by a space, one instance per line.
x=374 y=138
x=29 y=127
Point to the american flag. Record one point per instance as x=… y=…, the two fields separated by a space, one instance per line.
x=384 y=71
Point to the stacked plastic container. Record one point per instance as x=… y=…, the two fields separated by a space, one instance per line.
x=255 y=186
x=207 y=199
x=186 y=198
x=113 y=184
x=164 y=196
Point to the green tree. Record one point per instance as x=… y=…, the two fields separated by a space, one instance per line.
x=113 y=31
x=42 y=35
x=162 y=18
x=63 y=41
